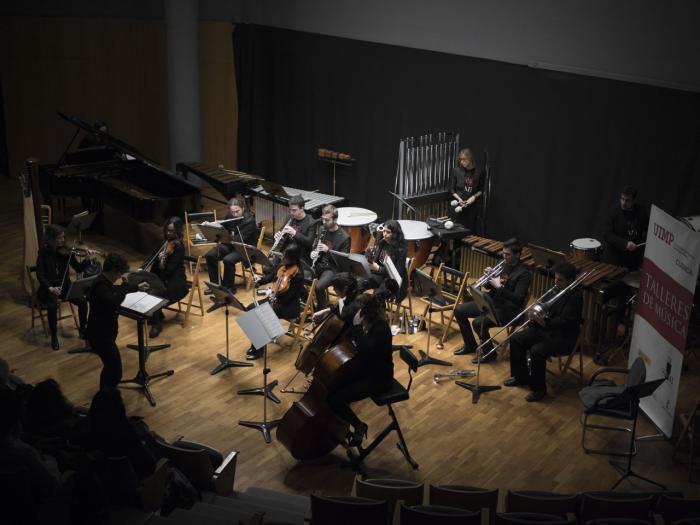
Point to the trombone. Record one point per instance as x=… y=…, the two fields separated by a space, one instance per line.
x=452 y=373
x=494 y=272
x=540 y=306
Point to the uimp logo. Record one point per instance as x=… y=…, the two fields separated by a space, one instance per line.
x=663 y=234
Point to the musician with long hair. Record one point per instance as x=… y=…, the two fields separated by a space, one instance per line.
x=287 y=290
x=330 y=237
x=390 y=242
x=168 y=263
x=245 y=224
x=299 y=228
x=52 y=263
x=466 y=186
x=508 y=291
x=548 y=336
x=371 y=336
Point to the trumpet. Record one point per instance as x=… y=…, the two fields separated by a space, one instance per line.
x=451 y=374
x=494 y=272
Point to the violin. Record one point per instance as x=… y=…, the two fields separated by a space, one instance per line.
x=285 y=274
x=82 y=251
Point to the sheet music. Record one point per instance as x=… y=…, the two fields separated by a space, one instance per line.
x=140 y=302
x=261 y=325
x=393 y=273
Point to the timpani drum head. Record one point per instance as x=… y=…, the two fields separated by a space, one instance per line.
x=349 y=216
x=415 y=230
x=586 y=243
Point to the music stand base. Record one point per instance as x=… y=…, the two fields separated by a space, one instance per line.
x=143 y=380
x=629 y=473
x=262 y=426
x=225 y=362
x=477 y=390
x=425 y=359
x=149 y=349
x=266 y=391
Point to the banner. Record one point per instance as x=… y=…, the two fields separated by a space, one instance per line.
x=663 y=308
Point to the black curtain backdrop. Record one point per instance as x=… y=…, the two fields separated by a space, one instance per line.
x=4 y=160
x=561 y=146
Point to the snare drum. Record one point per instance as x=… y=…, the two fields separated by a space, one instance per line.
x=354 y=221
x=419 y=240
x=586 y=249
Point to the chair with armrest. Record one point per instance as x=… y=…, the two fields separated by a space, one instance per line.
x=466 y=497
x=390 y=490
x=438 y=515
x=347 y=510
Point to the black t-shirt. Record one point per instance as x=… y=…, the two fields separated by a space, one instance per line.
x=338 y=241
x=623 y=226
x=466 y=183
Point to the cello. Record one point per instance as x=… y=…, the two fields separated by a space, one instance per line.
x=310 y=429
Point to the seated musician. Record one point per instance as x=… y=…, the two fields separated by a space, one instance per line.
x=345 y=287
x=226 y=252
x=552 y=335
x=371 y=336
x=390 y=242
x=298 y=227
x=287 y=291
x=509 y=293
x=625 y=229
x=168 y=263
x=330 y=237
x=466 y=186
x=53 y=275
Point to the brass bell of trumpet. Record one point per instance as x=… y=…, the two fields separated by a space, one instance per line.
x=452 y=374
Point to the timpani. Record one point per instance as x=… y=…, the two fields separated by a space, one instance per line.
x=355 y=222
x=419 y=240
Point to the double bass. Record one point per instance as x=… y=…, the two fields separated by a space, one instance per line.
x=310 y=429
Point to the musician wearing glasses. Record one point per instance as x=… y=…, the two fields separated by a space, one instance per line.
x=390 y=243
x=299 y=227
x=245 y=224
x=625 y=231
x=330 y=237
x=466 y=186
x=508 y=291
x=550 y=332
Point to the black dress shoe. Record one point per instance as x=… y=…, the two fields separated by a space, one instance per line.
x=464 y=350
x=486 y=358
x=511 y=381
x=208 y=291
x=537 y=395
x=255 y=354
x=358 y=435
x=155 y=330
x=54 y=343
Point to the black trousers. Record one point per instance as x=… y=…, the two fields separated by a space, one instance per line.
x=340 y=400
x=324 y=281
x=469 y=310
x=540 y=346
x=50 y=302
x=108 y=352
x=230 y=257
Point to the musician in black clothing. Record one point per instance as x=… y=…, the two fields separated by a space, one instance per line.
x=330 y=237
x=298 y=227
x=547 y=335
x=346 y=288
x=168 y=263
x=625 y=230
x=103 y=325
x=509 y=293
x=391 y=243
x=287 y=290
x=52 y=263
x=371 y=336
x=226 y=252
x=466 y=186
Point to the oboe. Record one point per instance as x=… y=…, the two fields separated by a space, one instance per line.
x=315 y=255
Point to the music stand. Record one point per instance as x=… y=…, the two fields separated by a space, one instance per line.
x=353 y=263
x=637 y=392
x=546 y=258
x=81 y=221
x=224 y=296
x=78 y=289
x=213 y=233
x=428 y=289
x=251 y=253
x=484 y=302
x=155 y=285
x=262 y=326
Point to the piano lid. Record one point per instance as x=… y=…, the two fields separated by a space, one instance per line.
x=119 y=145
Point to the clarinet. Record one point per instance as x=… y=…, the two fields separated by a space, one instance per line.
x=321 y=238
x=274 y=250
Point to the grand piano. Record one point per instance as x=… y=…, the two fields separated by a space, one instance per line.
x=116 y=174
